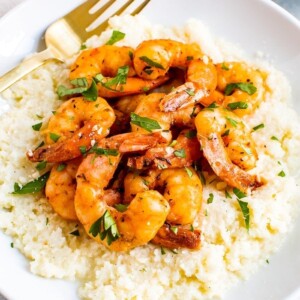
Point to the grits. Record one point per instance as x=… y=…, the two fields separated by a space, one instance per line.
x=228 y=252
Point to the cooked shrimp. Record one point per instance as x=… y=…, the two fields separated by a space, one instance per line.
x=181 y=238
x=60 y=188
x=149 y=107
x=77 y=123
x=185 y=151
x=153 y=59
x=241 y=73
x=182 y=190
x=228 y=146
x=134 y=227
x=107 y=60
x=128 y=104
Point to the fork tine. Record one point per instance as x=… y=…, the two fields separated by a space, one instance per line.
x=83 y=8
x=140 y=7
x=101 y=27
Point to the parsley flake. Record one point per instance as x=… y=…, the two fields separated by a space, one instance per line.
x=105 y=227
x=190 y=92
x=191 y=134
x=210 y=198
x=246 y=212
x=189 y=172
x=121 y=207
x=151 y=63
x=61 y=167
x=246 y=87
x=143 y=122
x=37 y=127
x=239 y=193
x=232 y=121
x=281 y=174
x=115 y=37
x=237 y=105
x=180 y=153
x=258 y=127
x=32 y=186
x=54 y=137
x=41 y=165
x=174 y=229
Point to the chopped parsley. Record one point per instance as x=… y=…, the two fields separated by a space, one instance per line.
x=192 y=228
x=82 y=47
x=101 y=151
x=239 y=193
x=143 y=122
x=11 y=245
x=189 y=172
x=237 y=105
x=210 y=198
x=226 y=133
x=173 y=143
x=115 y=37
x=32 y=186
x=61 y=167
x=37 y=127
x=54 y=137
x=224 y=67
x=227 y=195
x=106 y=228
x=189 y=58
x=151 y=63
x=120 y=78
x=191 y=134
x=82 y=149
x=281 y=174
x=232 y=121
x=190 y=92
x=174 y=229
x=212 y=106
x=246 y=87
x=121 y=207
x=75 y=232
x=162 y=251
x=258 y=127
x=274 y=138
x=180 y=153
x=246 y=213
x=41 y=165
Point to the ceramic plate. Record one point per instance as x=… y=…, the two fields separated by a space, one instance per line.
x=255 y=25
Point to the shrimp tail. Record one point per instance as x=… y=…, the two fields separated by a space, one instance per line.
x=183 y=238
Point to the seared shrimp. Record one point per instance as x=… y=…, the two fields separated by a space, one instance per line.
x=119 y=231
x=107 y=60
x=182 y=190
x=153 y=59
x=77 y=124
x=228 y=146
x=149 y=107
x=60 y=188
x=185 y=151
x=241 y=73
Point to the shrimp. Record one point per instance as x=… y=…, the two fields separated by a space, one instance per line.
x=120 y=231
x=153 y=59
x=180 y=237
x=77 y=124
x=60 y=188
x=149 y=107
x=107 y=60
x=241 y=73
x=228 y=147
x=184 y=194
x=182 y=190
x=185 y=151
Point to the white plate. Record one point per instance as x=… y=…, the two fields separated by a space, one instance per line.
x=254 y=25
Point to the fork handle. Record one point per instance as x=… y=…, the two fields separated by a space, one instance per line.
x=25 y=67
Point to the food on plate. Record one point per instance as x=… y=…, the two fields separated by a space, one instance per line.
x=166 y=160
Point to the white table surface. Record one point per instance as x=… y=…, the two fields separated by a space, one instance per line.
x=292 y=6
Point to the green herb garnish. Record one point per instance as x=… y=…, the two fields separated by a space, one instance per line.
x=54 y=137
x=237 y=105
x=191 y=134
x=246 y=212
x=190 y=92
x=121 y=207
x=210 y=198
x=37 y=127
x=174 y=229
x=82 y=47
x=151 y=63
x=281 y=174
x=61 y=167
x=91 y=94
x=226 y=133
x=227 y=195
x=115 y=37
x=258 y=127
x=41 y=165
x=75 y=232
x=224 y=67
x=232 y=122
x=105 y=227
x=274 y=138
x=82 y=149
x=180 y=153
x=239 y=193
x=143 y=122
x=189 y=172
x=162 y=251
x=32 y=186
x=101 y=151
x=246 y=87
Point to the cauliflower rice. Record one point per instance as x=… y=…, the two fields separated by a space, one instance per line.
x=228 y=252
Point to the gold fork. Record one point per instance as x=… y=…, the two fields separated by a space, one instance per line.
x=65 y=37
